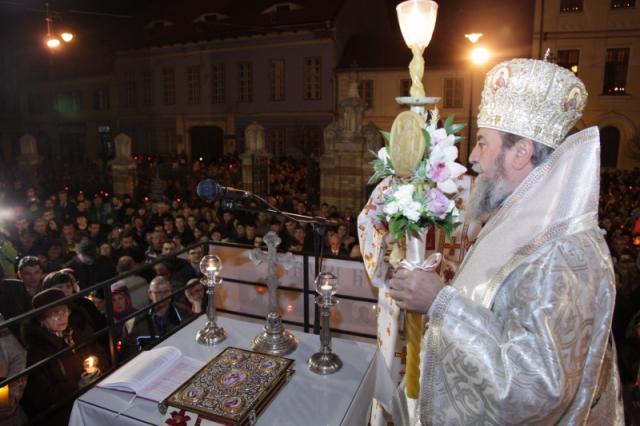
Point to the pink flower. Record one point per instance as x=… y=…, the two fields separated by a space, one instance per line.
x=440 y=172
x=437 y=203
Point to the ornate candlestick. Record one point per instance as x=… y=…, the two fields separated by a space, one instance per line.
x=325 y=361
x=211 y=334
x=273 y=339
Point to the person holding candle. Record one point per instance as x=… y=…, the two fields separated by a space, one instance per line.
x=45 y=335
x=13 y=359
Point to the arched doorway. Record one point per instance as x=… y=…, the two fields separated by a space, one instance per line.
x=207 y=142
x=609 y=146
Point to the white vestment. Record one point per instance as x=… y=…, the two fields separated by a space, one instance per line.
x=523 y=334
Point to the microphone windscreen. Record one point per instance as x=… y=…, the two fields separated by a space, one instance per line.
x=208 y=190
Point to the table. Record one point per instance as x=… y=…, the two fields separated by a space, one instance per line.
x=343 y=398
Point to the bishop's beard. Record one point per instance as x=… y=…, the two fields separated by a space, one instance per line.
x=489 y=193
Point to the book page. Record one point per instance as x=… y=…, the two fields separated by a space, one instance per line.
x=145 y=367
x=170 y=379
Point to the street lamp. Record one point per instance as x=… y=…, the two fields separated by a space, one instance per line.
x=53 y=41
x=479 y=55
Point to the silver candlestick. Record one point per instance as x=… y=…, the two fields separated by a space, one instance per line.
x=325 y=361
x=274 y=338
x=211 y=334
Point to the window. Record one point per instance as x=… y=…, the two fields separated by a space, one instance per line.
x=193 y=85
x=101 y=101
x=217 y=83
x=276 y=80
x=615 y=71
x=245 y=81
x=169 y=86
x=129 y=90
x=453 y=88
x=147 y=87
x=34 y=104
x=365 y=91
x=312 y=140
x=312 y=74
x=623 y=4
x=276 y=141
x=66 y=103
x=569 y=59
x=569 y=6
x=405 y=87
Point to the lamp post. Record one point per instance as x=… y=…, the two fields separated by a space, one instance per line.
x=479 y=55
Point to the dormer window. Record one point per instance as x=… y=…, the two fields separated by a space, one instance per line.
x=159 y=24
x=210 y=18
x=281 y=8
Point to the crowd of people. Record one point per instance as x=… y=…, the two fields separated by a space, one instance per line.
x=54 y=244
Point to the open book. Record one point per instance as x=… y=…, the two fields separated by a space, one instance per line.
x=153 y=374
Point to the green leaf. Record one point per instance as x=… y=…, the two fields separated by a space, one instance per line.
x=448 y=122
x=386 y=135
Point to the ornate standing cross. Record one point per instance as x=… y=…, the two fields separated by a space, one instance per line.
x=273 y=259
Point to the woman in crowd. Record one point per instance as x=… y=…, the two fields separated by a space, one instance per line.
x=47 y=395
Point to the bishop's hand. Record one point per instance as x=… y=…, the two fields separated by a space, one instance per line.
x=415 y=290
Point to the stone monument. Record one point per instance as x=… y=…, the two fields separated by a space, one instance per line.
x=123 y=168
x=344 y=166
x=255 y=160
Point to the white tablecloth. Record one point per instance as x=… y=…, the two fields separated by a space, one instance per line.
x=342 y=398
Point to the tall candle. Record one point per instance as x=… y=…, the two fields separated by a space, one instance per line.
x=4 y=396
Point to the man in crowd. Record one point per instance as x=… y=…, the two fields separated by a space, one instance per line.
x=157 y=321
x=523 y=334
x=31 y=273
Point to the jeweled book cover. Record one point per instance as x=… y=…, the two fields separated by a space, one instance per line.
x=234 y=387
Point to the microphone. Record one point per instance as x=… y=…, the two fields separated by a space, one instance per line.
x=209 y=190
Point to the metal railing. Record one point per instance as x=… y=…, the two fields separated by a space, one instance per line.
x=113 y=324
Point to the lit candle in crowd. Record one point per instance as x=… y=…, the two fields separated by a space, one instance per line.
x=4 y=396
x=91 y=365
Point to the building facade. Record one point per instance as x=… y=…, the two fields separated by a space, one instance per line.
x=599 y=40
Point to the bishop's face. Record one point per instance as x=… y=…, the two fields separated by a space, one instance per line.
x=484 y=156
x=491 y=187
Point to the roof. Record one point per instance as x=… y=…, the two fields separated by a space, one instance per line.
x=236 y=18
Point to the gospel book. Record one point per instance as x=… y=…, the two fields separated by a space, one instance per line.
x=153 y=374
x=233 y=388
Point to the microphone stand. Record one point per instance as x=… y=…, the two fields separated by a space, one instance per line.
x=319 y=227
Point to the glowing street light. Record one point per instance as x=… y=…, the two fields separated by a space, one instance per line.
x=53 y=42
x=66 y=37
x=480 y=55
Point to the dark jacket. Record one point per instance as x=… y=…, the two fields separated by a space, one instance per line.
x=100 y=270
x=147 y=330
x=58 y=379
x=14 y=300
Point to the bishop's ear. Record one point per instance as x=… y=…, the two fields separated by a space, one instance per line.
x=523 y=153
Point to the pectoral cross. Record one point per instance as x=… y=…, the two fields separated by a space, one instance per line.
x=273 y=259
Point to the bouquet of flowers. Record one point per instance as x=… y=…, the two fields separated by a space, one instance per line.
x=427 y=195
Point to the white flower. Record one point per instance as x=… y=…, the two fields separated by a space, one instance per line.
x=383 y=155
x=439 y=137
x=404 y=194
x=391 y=208
x=412 y=211
x=442 y=167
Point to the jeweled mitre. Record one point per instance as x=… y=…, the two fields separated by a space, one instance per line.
x=534 y=99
